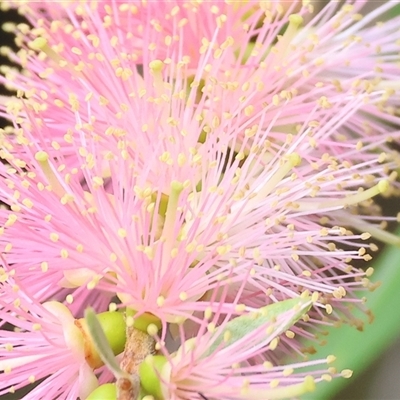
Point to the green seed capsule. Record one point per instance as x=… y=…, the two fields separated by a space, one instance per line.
x=149 y=371
x=107 y=391
x=143 y=321
x=113 y=324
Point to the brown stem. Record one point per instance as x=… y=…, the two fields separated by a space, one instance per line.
x=138 y=346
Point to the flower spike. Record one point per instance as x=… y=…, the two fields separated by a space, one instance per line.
x=203 y=176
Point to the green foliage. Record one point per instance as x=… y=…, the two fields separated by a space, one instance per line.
x=357 y=350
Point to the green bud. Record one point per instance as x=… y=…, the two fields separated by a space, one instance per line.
x=113 y=324
x=149 y=371
x=114 y=328
x=108 y=391
x=143 y=321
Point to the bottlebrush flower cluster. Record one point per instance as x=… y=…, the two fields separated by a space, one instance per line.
x=189 y=166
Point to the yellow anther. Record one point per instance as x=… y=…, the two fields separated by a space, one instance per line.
x=183 y=296
x=41 y=156
x=383 y=186
x=38 y=43
x=152 y=329
x=156 y=65
x=330 y=359
x=294 y=159
x=346 y=373
x=296 y=20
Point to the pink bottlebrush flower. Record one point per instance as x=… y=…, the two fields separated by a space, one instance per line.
x=220 y=376
x=139 y=27
x=253 y=221
x=188 y=183
x=45 y=344
x=220 y=178
x=317 y=62
x=194 y=208
x=181 y=25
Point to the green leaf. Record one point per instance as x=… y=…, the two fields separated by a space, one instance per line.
x=241 y=326
x=394 y=12
x=357 y=350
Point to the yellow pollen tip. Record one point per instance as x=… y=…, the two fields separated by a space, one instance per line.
x=309 y=383
x=295 y=159
x=383 y=185
x=156 y=65
x=296 y=19
x=346 y=373
x=176 y=186
x=41 y=156
x=305 y=294
x=183 y=296
x=160 y=301
x=129 y=321
x=330 y=359
x=329 y=309
x=38 y=44
x=369 y=272
x=315 y=297
x=152 y=329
